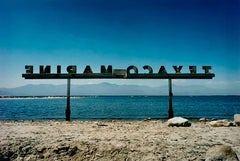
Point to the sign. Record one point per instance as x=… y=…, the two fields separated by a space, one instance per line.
x=131 y=72
x=109 y=73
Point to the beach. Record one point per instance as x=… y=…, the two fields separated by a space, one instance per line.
x=111 y=140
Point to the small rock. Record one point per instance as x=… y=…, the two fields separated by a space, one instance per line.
x=220 y=123
x=61 y=149
x=40 y=149
x=41 y=156
x=24 y=151
x=237 y=119
x=147 y=119
x=221 y=152
x=203 y=120
x=72 y=151
x=101 y=124
x=179 y=122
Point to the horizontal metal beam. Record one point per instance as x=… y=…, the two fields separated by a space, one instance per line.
x=112 y=76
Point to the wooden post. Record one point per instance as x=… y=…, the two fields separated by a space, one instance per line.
x=68 y=111
x=170 y=110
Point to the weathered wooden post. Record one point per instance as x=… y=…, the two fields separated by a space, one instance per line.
x=170 y=110
x=68 y=111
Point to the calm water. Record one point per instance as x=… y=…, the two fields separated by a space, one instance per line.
x=120 y=107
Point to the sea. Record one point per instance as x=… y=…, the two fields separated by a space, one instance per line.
x=118 y=107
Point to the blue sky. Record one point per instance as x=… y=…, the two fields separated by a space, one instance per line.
x=121 y=33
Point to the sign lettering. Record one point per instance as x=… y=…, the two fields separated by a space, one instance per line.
x=131 y=72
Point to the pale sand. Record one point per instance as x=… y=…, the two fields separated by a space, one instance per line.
x=106 y=140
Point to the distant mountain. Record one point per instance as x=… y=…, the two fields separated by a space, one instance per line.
x=91 y=89
x=33 y=90
x=111 y=89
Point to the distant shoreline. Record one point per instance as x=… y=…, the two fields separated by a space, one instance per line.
x=30 y=97
x=81 y=96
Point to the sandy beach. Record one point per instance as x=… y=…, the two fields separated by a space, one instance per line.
x=111 y=140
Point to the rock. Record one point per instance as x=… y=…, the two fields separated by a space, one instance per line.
x=72 y=151
x=237 y=119
x=40 y=149
x=221 y=152
x=101 y=124
x=203 y=120
x=220 y=123
x=61 y=149
x=24 y=151
x=7 y=155
x=147 y=119
x=179 y=122
x=41 y=156
x=66 y=150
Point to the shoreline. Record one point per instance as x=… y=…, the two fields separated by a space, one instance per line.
x=162 y=119
x=83 y=96
x=111 y=140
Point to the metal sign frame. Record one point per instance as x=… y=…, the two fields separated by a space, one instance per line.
x=109 y=73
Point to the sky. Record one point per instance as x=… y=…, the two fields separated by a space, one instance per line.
x=121 y=33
